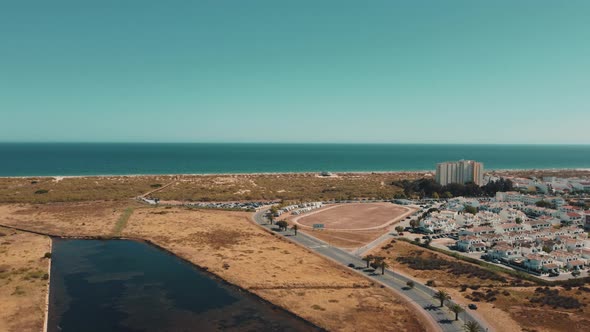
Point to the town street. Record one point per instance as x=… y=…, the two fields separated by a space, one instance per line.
x=419 y=295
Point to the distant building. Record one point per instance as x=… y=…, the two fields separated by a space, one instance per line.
x=462 y=171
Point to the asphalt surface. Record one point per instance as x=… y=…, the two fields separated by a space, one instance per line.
x=420 y=294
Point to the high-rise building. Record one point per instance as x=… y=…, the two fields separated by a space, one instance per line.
x=462 y=171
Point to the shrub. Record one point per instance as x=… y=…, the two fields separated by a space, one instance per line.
x=41 y=191
x=47 y=255
x=410 y=284
x=551 y=297
x=431 y=283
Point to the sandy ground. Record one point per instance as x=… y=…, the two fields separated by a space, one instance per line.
x=351 y=226
x=352 y=216
x=348 y=240
x=511 y=312
x=229 y=245
x=23 y=280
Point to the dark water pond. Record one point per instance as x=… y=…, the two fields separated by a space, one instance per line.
x=132 y=286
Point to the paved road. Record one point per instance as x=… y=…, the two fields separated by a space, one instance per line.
x=420 y=294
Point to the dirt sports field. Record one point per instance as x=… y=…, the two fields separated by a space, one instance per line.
x=226 y=243
x=351 y=217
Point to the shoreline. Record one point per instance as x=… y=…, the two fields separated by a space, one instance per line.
x=487 y=171
x=46 y=322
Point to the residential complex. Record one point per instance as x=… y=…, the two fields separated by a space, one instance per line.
x=462 y=172
x=517 y=230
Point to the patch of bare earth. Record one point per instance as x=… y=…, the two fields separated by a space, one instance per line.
x=23 y=280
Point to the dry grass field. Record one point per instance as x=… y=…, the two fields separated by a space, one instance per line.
x=505 y=302
x=23 y=280
x=229 y=245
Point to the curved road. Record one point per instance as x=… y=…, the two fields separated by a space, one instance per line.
x=419 y=295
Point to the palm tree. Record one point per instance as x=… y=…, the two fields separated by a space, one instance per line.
x=271 y=218
x=456 y=309
x=410 y=284
x=442 y=296
x=377 y=260
x=471 y=326
x=384 y=265
x=368 y=259
x=295 y=228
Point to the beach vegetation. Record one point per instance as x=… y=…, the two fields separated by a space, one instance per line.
x=41 y=191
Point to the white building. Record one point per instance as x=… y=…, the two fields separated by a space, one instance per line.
x=462 y=171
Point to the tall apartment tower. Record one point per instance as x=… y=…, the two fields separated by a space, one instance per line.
x=461 y=171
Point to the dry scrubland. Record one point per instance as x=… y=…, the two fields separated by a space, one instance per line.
x=23 y=280
x=306 y=187
x=229 y=245
x=297 y=186
x=505 y=302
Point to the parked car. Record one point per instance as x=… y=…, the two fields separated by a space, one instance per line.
x=351 y=265
x=472 y=306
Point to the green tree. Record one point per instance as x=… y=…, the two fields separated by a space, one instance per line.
x=518 y=220
x=471 y=326
x=410 y=284
x=282 y=225
x=368 y=259
x=295 y=228
x=544 y=204
x=442 y=296
x=414 y=223
x=470 y=209
x=456 y=309
x=274 y=210
x=447 y=194
x=436 y=196
x=377 y=260
x=271 y=218
x=399 y=229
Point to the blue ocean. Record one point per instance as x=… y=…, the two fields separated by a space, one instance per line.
x=36 y=159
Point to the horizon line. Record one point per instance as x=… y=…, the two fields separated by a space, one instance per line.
x=286 y=143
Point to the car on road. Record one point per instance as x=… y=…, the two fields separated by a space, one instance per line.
x=472 y=306
x=351 y=265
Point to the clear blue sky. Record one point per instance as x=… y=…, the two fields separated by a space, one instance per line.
x=502 y=71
